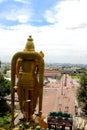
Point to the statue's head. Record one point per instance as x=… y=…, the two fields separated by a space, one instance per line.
x=29 y=45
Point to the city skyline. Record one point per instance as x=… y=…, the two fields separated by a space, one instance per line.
x=58 y=28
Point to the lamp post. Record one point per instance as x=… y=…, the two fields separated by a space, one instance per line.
x=62 y=88
x=67 y=109
x=60 y=105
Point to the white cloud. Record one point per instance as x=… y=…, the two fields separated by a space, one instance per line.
x=21 y=18
x=70 y=28
x=68 y=13
x=21 y=14
x=2 y=1
x=23 y=1
x=64 y=41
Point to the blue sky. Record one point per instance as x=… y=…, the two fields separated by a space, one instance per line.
x=58 y=27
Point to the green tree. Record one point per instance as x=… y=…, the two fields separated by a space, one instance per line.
x=0 y=64
x=82 y=91
x=4 y=86
x=4 y=91
x=6 y=69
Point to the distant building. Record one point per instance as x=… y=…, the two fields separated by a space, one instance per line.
x=52 y=73
x=2 y=69
x=8 y=74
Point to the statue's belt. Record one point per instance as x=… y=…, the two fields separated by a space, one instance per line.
x=25 y=74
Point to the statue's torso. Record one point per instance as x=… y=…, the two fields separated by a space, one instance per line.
x=28 y=77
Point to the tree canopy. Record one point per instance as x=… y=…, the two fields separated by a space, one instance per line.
x=4 y=86
x=0 y=63
x=4 y=91
x=82 y=91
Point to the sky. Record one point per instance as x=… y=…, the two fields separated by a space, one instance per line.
x=58 y=28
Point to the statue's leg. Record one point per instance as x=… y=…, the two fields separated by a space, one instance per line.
x=40 y=101
x=31 y=102
x=20 y=97
x=27 y=106
x=36 y=94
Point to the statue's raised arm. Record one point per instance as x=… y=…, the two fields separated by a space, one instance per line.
x=28 y=67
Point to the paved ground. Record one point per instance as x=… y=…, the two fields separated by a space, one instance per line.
x=57 y=96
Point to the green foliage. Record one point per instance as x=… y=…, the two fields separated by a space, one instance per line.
x=4 y=86
x=76 y=77
x=82 y=91
x=6 y=69
x=29 y=126
x=59 y=77
x=0 y=63
x=5 y=122
x=38 y=127
x=25 y=126
x=4 y=107
x=4 y=91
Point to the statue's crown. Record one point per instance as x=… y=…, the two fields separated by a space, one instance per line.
x=29 y=45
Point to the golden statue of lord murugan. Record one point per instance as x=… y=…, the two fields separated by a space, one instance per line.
x=28 y=67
